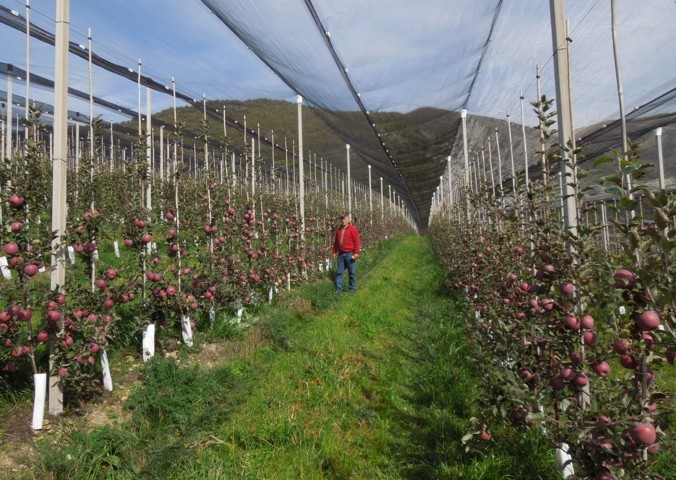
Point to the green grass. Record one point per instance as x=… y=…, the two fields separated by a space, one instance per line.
x=376 y=384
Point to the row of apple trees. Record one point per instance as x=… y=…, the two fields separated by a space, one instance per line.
x=572 y=340
x=143 y=251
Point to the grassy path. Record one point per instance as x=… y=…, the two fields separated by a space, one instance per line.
x=352 y=386
x=329 y=406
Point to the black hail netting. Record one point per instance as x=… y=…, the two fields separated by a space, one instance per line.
x=356 y=86
x=395 y=96
x=389 y=77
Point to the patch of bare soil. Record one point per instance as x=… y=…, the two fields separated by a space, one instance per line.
x=17 y=439
x=210 y=355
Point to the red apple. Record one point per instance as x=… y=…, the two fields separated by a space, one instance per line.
x=146 y=238
x=653 y=449
x=15 y=201
x=42 y=336
x=11 y=249
x=587 y=322
x=16 y=226
x=580 y=380
x=604 y=420
x=101 y=283
x=649 y=339
x=602 y=369
x=589 y=338
x=624 y=278
x=557 y=383
x=31 y=269
x=648 y=320
x=642 y=433
x=572 y=322
x=111 y=273
x=622 y=346
x=566 y=288
x=627 y=361
x=547 y=304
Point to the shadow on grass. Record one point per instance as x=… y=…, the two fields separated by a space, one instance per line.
x=444 y=395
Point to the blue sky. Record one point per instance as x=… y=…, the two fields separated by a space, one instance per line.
x=180 y=39
x=399 y=57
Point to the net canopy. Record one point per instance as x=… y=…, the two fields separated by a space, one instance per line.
x=390 y=77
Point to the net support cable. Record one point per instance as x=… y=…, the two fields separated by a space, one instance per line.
x=356 y=97
x=19 y=23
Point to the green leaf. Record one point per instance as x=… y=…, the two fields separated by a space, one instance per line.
x=537 y=416
x=565 y=404
x=628 y=204
x=614 y=191
x=602 y=160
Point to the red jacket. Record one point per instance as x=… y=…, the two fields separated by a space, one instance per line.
x=351 y=242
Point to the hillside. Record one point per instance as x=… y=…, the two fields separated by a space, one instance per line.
x=419 y=142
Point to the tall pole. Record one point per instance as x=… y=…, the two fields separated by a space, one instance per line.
x=541 y=127
x=511 y=156
x=206 y=137
x=161 y=153
x=620 y=93
x=301 y=179
x=450 y=181
x=91 y=104
x=139 y=99
x=112 y=151
x=525 y=143
x=497 y=146
x=660 y=157
x=149 y=156
x=173 y=94
x=463 y=115
x=59 y=172
x=272 y=134
x=349 y=187
x=565 y=120
x=28 y=61
x=490 y=163
x=465 y=153
x=10 y=102
x=382 y=199
x=370 y=195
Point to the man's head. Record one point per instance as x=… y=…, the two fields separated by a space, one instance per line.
x=344 y=220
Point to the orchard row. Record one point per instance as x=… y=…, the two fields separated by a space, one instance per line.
x=189 y=253
x=571 y=339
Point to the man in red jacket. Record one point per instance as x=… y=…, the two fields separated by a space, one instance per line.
x=346 y=248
